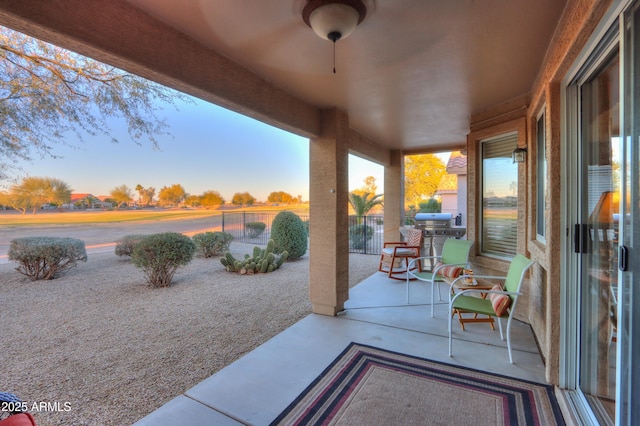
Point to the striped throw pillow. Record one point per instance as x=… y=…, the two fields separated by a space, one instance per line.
x=449 y=271
x=499 y=302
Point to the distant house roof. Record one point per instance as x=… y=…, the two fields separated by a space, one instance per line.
x=457 y=163
x=448 y=185
x=88 y=198
x=79 y=197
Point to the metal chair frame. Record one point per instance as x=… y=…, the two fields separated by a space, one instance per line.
x=454 y=253
x=512 y=284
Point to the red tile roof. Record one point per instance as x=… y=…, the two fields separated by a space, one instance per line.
x=78 y=197
x=457 y=163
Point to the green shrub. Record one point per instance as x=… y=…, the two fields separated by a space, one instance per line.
x=360 y=235
x=126 y=244
x=430 y=206
x=160 y=255
x=255 y=228
x=212 y=243
x=41 y=258
x=408 y=216
x=289 y=233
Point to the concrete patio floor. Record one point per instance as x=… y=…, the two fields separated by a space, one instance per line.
x=257 y=387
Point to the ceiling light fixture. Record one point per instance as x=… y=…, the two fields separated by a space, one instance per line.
x=333 y=20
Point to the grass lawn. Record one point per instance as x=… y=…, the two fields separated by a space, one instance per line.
x=53 y=217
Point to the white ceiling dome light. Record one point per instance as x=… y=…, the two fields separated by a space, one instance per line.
x=334 y=20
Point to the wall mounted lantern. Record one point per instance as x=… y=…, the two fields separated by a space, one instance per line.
x=519 y=155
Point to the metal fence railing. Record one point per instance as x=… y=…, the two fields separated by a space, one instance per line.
x=365 y=232
x=246 y=226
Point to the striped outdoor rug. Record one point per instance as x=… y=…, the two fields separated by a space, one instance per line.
x=371 y=386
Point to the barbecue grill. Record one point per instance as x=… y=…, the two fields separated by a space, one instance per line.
x=436 y=228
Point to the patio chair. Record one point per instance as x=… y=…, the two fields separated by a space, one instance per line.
x=500 y=303
x=454 y=258
x=400 y=251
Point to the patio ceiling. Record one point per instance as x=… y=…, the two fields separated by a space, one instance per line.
x=409 y=77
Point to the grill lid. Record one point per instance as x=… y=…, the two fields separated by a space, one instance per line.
x=432 y=216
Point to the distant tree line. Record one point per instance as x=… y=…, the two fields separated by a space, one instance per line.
x=32 y=193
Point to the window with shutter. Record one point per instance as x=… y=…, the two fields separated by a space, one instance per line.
x=499 y=233
x=541 y=189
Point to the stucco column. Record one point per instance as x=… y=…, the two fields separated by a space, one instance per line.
x=329 y=217
x=393 y=196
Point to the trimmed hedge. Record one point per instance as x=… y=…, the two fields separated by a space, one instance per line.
x=160 y=255
x=289 y=234
x=360 y=235
x=255 y=229
x=42 y=258
x=126 y=244
x=212 y=243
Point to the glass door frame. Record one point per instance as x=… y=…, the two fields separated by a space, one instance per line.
x=628 y=391
x=609 y=35
x=574 y=188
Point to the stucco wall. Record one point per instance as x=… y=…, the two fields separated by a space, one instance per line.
x=541 y=301
x=576 y=26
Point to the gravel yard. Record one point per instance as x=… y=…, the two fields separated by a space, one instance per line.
x=104 y=348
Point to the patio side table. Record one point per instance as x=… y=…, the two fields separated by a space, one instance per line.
x=460 y=286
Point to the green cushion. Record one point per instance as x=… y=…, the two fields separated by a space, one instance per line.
x=425 y=276
x=474 y=304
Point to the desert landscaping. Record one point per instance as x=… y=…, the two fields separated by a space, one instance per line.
x=101 y=347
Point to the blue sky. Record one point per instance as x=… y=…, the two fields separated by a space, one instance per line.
x=211 y=148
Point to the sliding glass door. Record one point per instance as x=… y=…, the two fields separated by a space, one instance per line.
x=597 y=232
x=603 y=189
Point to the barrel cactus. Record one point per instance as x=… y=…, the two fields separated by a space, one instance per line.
x=289 y=234
x=262 y=261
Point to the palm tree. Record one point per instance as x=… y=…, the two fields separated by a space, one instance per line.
x=140 y=190
x=362 y=204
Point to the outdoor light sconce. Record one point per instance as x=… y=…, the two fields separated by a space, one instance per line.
x=333 y=20
x=519 y=155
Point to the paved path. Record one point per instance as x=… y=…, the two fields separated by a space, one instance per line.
x=101 y=238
